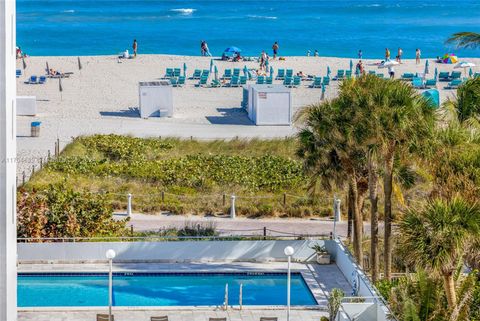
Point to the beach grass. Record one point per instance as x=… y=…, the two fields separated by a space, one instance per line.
x=188 y=176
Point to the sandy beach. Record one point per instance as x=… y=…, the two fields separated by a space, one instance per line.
x=103 y=98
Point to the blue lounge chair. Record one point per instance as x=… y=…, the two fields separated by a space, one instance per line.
x=287 y=82
x=380 y=75
x=476 y=75
x=260 y=80
x=205 y=73
x=215 y=84
x=173 y=81
x=326 y=80
x=202 y=82
x=372 y=72
x=454 y=84
x=243 y=80
x=456 y=75
x=340 y=74
x=417 y=82
x=33 y=80
x=197 y=74
x=443 y=76
x=234 y=82
x=317 y=82
x=227 y=74
x=297 y=81
x=348 y=74
x=269 y=80
x=19 y=73
x=408 y=76
x=176 y=72
x=168 y=73
x=289 y=73
x=42 y=79
x=430 y=83
x=236 y=72
x=280 y=74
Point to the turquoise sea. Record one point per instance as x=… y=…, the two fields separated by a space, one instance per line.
x=334 y=27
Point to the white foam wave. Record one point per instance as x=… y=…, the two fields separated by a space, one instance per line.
x=185 y=11
x=262 y=17
x=68 y=11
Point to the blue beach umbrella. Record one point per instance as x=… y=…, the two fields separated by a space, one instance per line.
x=184 y=69
x=271 y=71
x=351 y=64
x=328 y=71
x=233 y=49
x=245 y=70
x=470 y=72
x=323 y=92
x=216 y=73
x=426 y=67
x=211 y=65
x=436 y=72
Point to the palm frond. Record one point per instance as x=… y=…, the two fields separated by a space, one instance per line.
x=465 y=39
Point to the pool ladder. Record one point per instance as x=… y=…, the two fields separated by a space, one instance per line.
x=240 y=299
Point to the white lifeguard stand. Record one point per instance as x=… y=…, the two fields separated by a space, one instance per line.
x=155 y=99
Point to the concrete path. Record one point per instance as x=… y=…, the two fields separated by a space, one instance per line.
x=242 y=226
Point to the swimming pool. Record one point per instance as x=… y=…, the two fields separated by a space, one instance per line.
x=159 y=289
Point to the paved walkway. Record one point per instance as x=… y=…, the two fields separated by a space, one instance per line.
x=242 y=226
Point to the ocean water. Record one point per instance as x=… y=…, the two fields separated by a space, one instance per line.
x=333 y=27
x=160 y=289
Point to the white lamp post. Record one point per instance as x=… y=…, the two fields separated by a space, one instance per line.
x=110 y=254
x=288 y=252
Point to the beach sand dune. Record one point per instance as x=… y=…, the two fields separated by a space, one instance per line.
x=103 y=98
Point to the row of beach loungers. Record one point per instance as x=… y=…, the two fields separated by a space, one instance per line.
x=105 y=317
x=454 y=79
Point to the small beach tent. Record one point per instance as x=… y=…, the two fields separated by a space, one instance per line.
x=449 y=58
x=433 y=95
x=269 y=104
x=155 y=99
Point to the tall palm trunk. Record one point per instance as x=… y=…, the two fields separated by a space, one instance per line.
x=387 y=189
x=350 y=215
x=357 y=222
x=373 y=196
x=449 y=286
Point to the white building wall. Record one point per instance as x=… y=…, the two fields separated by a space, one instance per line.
x=8 y=253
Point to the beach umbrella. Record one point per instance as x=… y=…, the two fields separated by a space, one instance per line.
x=426 y=67
x=232 y=49
x=211 y=65
x=271 y=71
x=216 y=73
x=185 y=69
x=464 y=65
x=60 y=87
x=351 y=64
x=449 y=58
x=436 y=73
x=79 y=64
x=328 y=71
x=48 y=68
x=245 y=70
x=24 y=63
x=470 y=72
x=323 y=92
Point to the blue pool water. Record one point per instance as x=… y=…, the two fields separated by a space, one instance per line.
x=335 y=28
x=159 y=289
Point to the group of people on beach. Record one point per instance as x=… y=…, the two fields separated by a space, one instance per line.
x=204 y=49
x=398 y=58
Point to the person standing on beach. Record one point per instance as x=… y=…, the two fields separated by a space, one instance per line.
x=202 y=48
x=206 y=51
x=418 y=54
x=135 y=47
x=399 y=55
x=275 y=48
x=391 y=72
x=263 y=60
x=387 y=54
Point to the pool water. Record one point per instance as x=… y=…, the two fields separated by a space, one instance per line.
x=159 y=289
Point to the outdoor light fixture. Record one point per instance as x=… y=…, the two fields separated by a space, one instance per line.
x=288 y=252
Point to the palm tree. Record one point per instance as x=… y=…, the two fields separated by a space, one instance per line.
x=328 y=144
x=467 y=103
x=435 y=238
x=465 y=39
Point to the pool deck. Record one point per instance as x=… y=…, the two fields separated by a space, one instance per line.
x=321 y=279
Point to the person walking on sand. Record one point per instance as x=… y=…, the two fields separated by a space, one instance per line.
x=135 y=47
x=206 y=50
x=263 y=60
x=399 y=55
x=387 y=54
x=275 y=48
x=418 y=54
